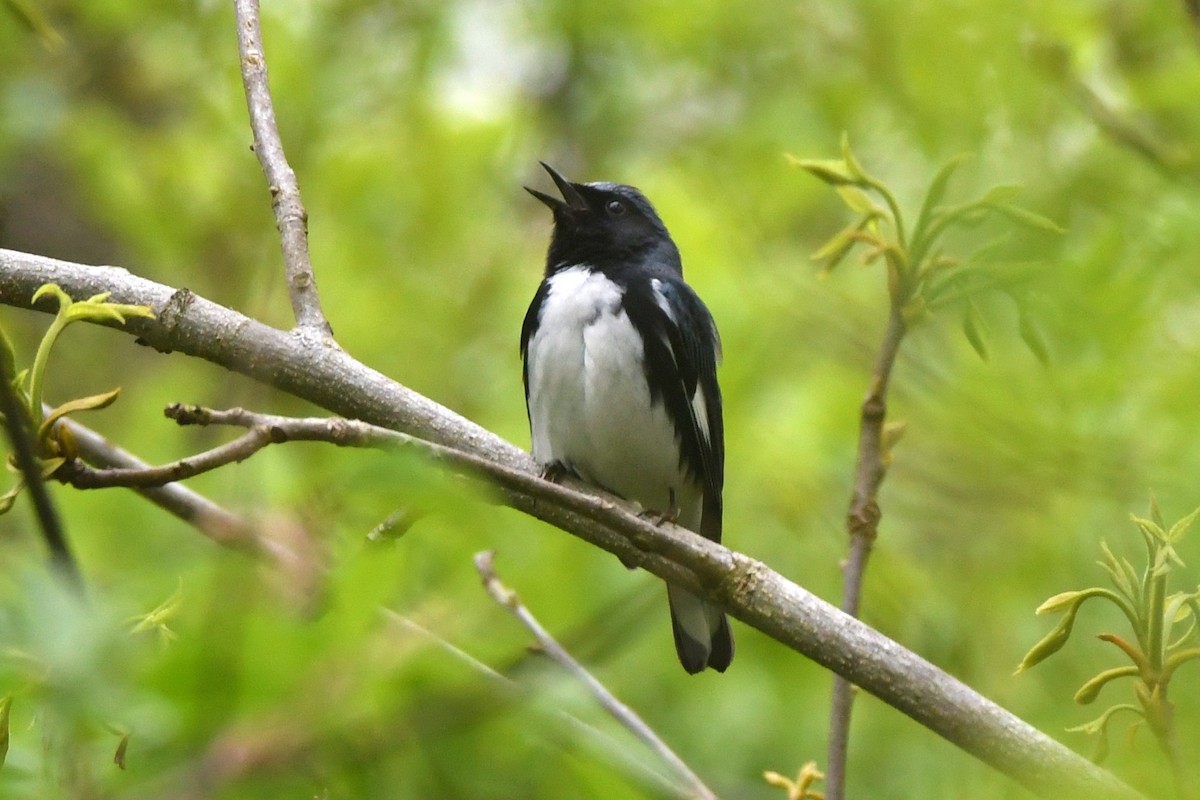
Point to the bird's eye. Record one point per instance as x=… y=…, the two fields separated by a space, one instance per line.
x=615 y=208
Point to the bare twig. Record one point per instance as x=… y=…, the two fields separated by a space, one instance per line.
x=290 y=217
x=82 y=476
x=20 y=433
x=862 y=523
x=748 y=589
x=215 y=522
x=615 y=751
x=622 y=713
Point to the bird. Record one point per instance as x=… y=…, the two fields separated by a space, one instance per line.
x=619 y=360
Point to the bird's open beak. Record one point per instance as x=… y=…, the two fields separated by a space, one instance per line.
x=574 y=200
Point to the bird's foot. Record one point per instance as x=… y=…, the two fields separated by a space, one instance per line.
x=671 y=515
x=556 y=471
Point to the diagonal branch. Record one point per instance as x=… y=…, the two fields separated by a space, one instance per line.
x=215 y=522
x=506 y=597
x=608 y=747
x=81 y=476
x=290 y=217
x=748 y=589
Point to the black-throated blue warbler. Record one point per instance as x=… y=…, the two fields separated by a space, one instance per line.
x=620 y=368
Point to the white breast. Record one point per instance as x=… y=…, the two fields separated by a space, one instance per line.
x=589 y=404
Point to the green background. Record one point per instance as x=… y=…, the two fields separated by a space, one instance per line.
x=412 y=127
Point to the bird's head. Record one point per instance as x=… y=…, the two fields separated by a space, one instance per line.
x=606 y=225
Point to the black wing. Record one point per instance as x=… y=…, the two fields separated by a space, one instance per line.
x=682 y=349
x=528 y=327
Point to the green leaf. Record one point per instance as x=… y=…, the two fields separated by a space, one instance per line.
x=50 y=466
x=834 y=251
x=8 y=498
x=1027 y=218
x=32 y=17
x=8 y=357
x=1150 y=529
x=1031 y=336
x=52 y=289
x=1059 y=602
x=832 y=171
x=96 y=401
x=1002 y=193
x=1099 y=727
x=859 y=201
x=1181 y=527
x=934 y=195
x=1051 y=643
x=1156 y=512
x=972 y=328
x=1180 y=607
x=96 y=309
x=1088 y=693
x=1117 y=573
x=852 y=165
x=158 y=619
x=5 y=709
x=122 y=748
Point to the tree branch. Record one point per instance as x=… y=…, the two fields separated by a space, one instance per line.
x=627 y=717
x=82 y=476
x=290 y=217
x=608 y=747
x=215 y=522
x=748 y=589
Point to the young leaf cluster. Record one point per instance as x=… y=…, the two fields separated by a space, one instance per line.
x=922 y=276
x=1162 y=624
x=55 y=446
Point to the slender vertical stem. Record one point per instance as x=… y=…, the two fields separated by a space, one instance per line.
x=20 y=433
x=862 y=523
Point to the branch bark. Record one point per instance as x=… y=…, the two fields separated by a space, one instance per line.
x=862 y=523
x=748 y=589
x=626 y=716
x=290 y=217
x=215 y=522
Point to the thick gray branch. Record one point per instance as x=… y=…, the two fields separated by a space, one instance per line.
x=749 y=590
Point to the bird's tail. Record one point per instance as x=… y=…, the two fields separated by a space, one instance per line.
x=702 y=637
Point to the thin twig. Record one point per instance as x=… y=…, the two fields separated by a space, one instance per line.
x=20 y=433
x=82 y=476
x=862 y=523
x=622 y=713
x=212 y=520
x=290 y=217
x=613 y=750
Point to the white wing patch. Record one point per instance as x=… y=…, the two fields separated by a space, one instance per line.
x=700 y=413
x=660 y=298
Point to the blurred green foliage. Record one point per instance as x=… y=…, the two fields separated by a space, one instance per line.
x=412 y=125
